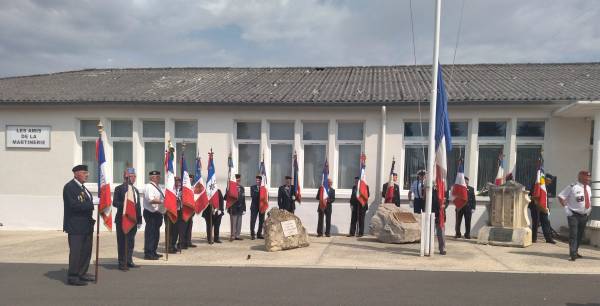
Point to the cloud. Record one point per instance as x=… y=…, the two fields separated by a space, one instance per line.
x=48 y=36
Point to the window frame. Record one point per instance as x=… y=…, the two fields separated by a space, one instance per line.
x=92 y=185
x=271 y=142
x=313 y=142
x=237 y=142
x=151 y=140
x=339 y=143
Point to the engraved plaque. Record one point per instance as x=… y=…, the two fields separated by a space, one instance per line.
x=501 y=234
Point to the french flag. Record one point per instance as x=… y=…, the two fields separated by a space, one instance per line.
x=231 y=194
x=389 y=193
x=263 y=192
x=460 y=195
x=297 y=193
x=211 y=183
x=170 y=194
x=443 y=143
x=500 y=174
x=539 y=189
x=324 y=189
x=103 y=186
x=363 y=189
x=200 y=197
x=129 y=219
x=187 y=193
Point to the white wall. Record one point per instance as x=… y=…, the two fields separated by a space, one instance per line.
x=30 y=189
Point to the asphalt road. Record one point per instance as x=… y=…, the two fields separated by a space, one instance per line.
x=40 y=284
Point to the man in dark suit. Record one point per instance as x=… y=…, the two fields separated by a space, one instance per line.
x=439 y=229
x=396 y=197
x=358 y=211
x=255 y=209
x=79 y=225
x=325 y=212
x=285 y=199
x=216 y=215
x=466 y=212
x=120 y=196
x=237 y=210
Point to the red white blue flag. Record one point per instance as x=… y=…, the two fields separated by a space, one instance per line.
x=104 y=206
x=187 y=193
x=460 y=194
x=362 y=189
x=297 y=193
x=500 y=174
x=443 y=143
x=211 y=183
x=200 y=197
x=170 y=194
x=263 y=192
x=324 y=189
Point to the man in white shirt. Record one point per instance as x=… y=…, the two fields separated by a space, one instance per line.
x=153 y=210
x=576 y=200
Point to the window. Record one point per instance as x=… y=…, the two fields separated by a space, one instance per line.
x=459 y=129
x=488 y=164
x=452 y=159
x=530 y=139
x=527 y=164
x=492 y=129
x=121 y=133
x=314 y=140
x=414 y=160
x=186 y=132
x=248 y=142
x=88 y=133
x=350 y=137
x=281 y=142
x=153 y=137
x=415 y=150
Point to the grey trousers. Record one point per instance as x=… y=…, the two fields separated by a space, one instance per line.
x=80 y=253
x=439 y=231
x=576 y=228
x=236 y=225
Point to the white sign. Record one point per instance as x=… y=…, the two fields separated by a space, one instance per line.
x=28 y=136
x=289 y=228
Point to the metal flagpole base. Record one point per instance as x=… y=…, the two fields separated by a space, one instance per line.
x=431 y=235
x=423 y=234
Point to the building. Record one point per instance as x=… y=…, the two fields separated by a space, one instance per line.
x=48 y=124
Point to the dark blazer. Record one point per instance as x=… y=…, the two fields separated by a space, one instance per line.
x=207 y=211
x=330 y=199
x=471 y=202
x=435 y=206
x=396 y=199
x=119 y=198
x=354 y=200
x=78 y=210
x=285 y=200
x=239 y=206
x=255 y=196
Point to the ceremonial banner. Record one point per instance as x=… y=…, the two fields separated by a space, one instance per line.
x=200 y=196
x=104 y=206
x=324 y=189
x=460 y=194
x=443 y=144
x=187 y=193
x=263 y=192
x=362 y=189
x=170 y=194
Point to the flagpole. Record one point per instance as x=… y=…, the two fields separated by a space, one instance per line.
x=426 y=246
x=100 y=129
x=167 y=219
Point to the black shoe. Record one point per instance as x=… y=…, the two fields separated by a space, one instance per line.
x=457 y=236
x=327 y=235
x=191 y=245
x=260 y=237
x=578 y=255
x=359 y=235
x=158 y=255
x=87 y=278
x=319 y=235
x=467 y=236
x=218 y=241
x=350 y=235
x=252 y=237
x=132 y=265
x=572 y=258
x=442 y=252
x=76 y=282
x=150 y=257
x=183 y=247
x=172 y=251
x=533 y=241
x=123 y=268
x=238 y=238
x=551 y=241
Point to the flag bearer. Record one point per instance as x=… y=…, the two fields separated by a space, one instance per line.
x=358 y=211
x=237 y=210
x=154 y=208
x=325 y=211
x=119 y=198
x=255 y=210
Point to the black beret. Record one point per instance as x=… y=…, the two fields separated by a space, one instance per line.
x=356 y=177
x=287 y=177
x=154 y=172
x=80 y=168
x=259 y=177
x=395 y=174
x=237 y=176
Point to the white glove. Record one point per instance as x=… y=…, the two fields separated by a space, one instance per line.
x=243 y=212
x=568 y=212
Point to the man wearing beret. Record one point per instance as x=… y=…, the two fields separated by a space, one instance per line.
x=236 y=211
x=255 y=210
x=79 y=225
x=284 y=196
x=119 y=198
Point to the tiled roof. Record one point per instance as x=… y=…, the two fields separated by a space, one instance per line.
x=390 y=85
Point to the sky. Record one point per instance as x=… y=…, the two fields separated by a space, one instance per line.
x=45 y=36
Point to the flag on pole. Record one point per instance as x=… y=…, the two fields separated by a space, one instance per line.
x=443 y=143
x=500 y=174
x=231 y=194
x=389 y=193
x=170 y=194
x=104 y=206
x=129 y=218
x=211 y=182
x=362 y=189
x=187 y=193
x=324 y=189
x=460 y=194
x=200 y=197
x=263 y=192
x=297 y=193
x=539 y=193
